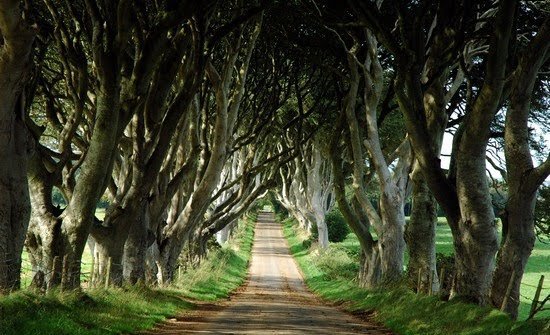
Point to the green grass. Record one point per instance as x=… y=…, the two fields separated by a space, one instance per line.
x=538 y=264
x=399 y=308
x=125 y=310
x=223 y=271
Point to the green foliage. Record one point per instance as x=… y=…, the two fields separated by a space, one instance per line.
x=224 y=268
x=126 y=310
x=337 y=264
x=400 y=309
x=103 y=202
x=280 y=211
x=111 y=311
x=338 y=229
x=307 y=243
x=262 y=204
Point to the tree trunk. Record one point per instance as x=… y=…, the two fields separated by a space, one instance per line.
x=515 y=250
x=391 y=241
x=78 y=217
x=42 y=246
x=109 y=250
x=474 y=262
x=223 y=235
x=14 y=143
x=475 y=236
x=322 y=231
x=14 y=202
x=370 y=270
x=523 y=178
x=135 y=249
x=168 y=262
x=420 y=236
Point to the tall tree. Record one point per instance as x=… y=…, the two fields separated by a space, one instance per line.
x=228 y=85
x=464 y=193
x=105 y=85
x=522 y=177
x=15 y=141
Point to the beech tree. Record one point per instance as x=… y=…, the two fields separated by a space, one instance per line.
x=164 y=112
x=464 y=193
x=15 y=140
x=306 y=190
x=523 y=177
x=105 y=88
x=228 y=84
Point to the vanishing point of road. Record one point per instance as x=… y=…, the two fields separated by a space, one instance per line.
x=274 y=300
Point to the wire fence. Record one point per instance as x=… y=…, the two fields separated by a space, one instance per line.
x=536 y=302
x=534 y=286
x=90 y=273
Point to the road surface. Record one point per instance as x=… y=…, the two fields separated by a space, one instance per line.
x=274 y=300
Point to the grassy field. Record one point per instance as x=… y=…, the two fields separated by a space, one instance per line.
x=331 y=275
x=126 y=310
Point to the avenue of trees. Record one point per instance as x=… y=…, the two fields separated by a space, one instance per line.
x=183 y=113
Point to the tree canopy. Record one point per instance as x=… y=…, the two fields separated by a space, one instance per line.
x=182 y=113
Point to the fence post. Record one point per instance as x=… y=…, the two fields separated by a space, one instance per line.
x=53 y=276
x=65 y=272
x=508 y=290
x=97 y=270
x=419 y=283
x=536 y=298
x=92 y=270
x=441 y=278
x=108 y=274
x=430 y=283
x=4 y=266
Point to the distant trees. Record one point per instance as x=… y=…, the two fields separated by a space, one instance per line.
x=542 y=213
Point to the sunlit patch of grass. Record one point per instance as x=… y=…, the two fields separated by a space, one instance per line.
x=111 y=311
x=399 y=308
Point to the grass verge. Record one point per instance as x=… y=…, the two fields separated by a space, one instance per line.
x=328 y=275
x=126 y=310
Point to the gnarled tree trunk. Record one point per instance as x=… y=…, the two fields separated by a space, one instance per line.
x=420 y=236
x=522 y=177
x=15 y=142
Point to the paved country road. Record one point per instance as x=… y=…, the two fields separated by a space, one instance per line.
x=274 y=300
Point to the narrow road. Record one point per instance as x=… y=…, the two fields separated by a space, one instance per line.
x=274 y=301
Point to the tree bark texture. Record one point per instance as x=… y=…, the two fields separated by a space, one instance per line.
x=522 y=177
x=15 y=142
x=420 y=236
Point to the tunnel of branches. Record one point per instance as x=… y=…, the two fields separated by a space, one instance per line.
x=179 y=117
